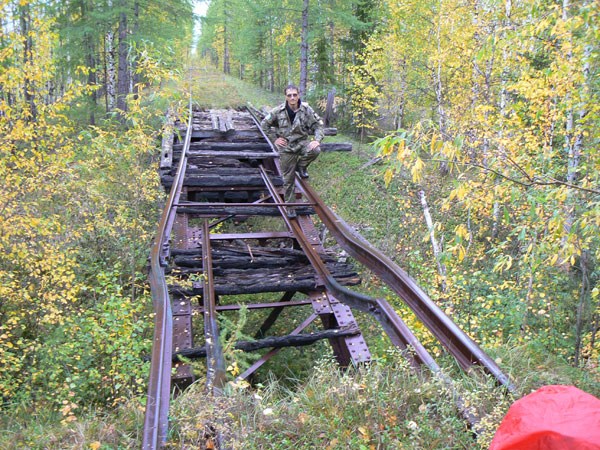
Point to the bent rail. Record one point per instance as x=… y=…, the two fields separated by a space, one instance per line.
x=159 y=384
x=456 y=341
x=380 y=309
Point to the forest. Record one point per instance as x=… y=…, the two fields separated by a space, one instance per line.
x=477 y=170
x=487 y=112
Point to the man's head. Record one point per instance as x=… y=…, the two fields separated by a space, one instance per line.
x=292 y=95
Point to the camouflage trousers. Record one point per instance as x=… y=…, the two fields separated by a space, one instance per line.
x=292 y=161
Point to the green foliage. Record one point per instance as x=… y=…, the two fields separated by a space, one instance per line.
x=262 y=39
x=518 y=146
x=231 y=331
x=102 y=363
x=78 y=211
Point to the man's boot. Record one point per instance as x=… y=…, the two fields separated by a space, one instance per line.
x=302 y=172
x=291 y=212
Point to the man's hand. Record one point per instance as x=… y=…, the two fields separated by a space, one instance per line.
x=312 y=145
x=281 y=142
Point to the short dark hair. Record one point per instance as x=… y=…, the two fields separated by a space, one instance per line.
x=291 y=86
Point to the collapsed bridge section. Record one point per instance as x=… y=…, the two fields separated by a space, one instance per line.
x=227 y=242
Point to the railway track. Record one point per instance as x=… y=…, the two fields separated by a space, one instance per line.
x=225 y=235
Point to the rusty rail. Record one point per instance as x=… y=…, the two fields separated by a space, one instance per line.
x=398 y=332
x=156 y=418
x=394 y=326
x=215 y=362
x=456 y=341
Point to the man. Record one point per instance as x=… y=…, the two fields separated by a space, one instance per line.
x=291 y=127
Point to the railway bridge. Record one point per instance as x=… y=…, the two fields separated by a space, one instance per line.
x=225 y=242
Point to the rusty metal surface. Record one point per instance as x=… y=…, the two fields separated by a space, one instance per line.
x=156 y=419
x=215 y=362
x=334 y=315
x=456 y=341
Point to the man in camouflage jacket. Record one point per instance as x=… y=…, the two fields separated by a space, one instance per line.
x=291 y=127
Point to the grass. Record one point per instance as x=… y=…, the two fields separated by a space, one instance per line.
x=27 y=427
x=369 y=407
x=213 y=89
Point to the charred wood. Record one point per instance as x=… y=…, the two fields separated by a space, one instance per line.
x=225 y=146
x=336 y=147
x=230 y=135
x=250 y=210
x=224 y=181
x=298 y=277
x=293 y=340
x=244 y=258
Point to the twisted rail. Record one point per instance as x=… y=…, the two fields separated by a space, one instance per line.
x=159 y=385
x=456 y=341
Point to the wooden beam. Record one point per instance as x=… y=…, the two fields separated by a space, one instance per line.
x=336 y=147
x=292 y=340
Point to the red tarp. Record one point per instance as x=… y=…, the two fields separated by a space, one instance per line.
x=551 y=418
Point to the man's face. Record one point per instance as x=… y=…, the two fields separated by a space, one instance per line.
x=291 y=95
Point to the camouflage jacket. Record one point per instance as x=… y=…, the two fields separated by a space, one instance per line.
x=299 y=133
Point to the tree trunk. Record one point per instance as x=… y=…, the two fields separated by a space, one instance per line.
x=123 y=70
x=28 y=89
x=109 y=71
x=439 y=87
x=226 y=63
x=226 y=58
x=503 y=114
x=528 y=300
x=573 y=136
x=304 y=50
x=582 y=305
x=91 y=64
x=135 y=76
x=271 y=63
x=437 y=250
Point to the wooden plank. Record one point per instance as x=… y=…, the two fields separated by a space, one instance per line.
x=293 y=278
x=221 y=211
x=328 y=116
x=228 y=121
x=221 y=181
x=239 y=154
x=239 y=134
x=214 y=118
x=228 y=146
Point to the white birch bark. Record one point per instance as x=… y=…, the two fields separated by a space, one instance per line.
x=439 y=87
x=502 y=103
x=304 y=49
x=110 y=67
x=437 y=250
x=111 y=70
x=573 y=135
